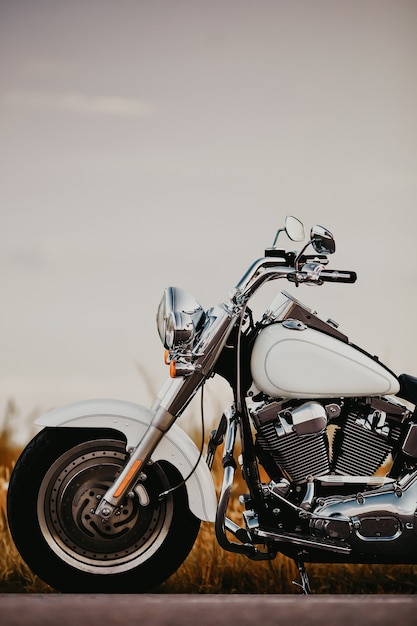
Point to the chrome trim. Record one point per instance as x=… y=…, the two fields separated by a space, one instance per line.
x=292 y=324
x=322 y=240
x=219 y=324
x=371 y=512
x=222 y=523
x=261 y=271
x=178 y=317
x=314 y=542
x=338 y=479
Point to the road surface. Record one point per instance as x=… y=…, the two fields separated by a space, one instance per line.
x=202 y=610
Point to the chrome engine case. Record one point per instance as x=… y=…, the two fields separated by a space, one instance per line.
x=379 y=521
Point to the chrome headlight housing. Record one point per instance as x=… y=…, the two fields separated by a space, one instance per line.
x=179 y=318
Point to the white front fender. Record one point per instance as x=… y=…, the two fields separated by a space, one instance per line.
x=132 y=420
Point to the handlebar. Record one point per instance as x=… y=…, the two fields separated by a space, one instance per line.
x=314 y=273
x=268 y=269
x=338 y=276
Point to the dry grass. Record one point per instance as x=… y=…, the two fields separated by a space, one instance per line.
x=209 y=569
x=15 y=576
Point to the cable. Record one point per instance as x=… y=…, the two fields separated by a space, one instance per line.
x=203 y=436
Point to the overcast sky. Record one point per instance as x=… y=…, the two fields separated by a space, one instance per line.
x=149 y=143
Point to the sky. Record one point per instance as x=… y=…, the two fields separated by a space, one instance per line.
x=147 y=143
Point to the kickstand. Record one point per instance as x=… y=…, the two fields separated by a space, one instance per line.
x=304 y=583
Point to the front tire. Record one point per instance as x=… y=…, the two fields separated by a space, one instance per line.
x=53 y=492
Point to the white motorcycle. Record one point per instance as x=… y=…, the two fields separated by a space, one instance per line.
x=108 y=497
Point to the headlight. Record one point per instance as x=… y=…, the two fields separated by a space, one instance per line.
x=179 y=330
x=169 y=331
x=179 y=317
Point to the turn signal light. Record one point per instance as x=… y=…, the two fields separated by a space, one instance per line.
x=180 y=369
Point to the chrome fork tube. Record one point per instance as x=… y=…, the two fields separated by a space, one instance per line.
x=139 y=457
x=166 y=412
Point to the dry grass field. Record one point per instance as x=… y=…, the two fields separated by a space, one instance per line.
x=209 y=569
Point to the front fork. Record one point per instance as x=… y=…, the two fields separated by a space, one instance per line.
x=175 y=396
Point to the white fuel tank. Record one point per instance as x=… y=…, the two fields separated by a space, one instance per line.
x=301 y=362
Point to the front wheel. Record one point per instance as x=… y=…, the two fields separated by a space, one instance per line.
x=53 y=492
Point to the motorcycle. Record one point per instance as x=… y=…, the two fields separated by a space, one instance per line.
x=109 y=495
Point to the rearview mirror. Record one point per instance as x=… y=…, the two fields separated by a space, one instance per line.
x=294 y=228
x=322 y=240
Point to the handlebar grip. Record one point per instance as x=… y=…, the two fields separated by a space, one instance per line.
x=338 y=276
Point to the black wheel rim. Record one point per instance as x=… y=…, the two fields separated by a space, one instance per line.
x=69 y=494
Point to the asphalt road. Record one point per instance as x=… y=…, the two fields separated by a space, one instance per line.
x=202 y=610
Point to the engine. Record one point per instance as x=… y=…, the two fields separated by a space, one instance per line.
x=315 y=439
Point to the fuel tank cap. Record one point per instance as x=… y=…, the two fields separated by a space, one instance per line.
x=294 y=324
